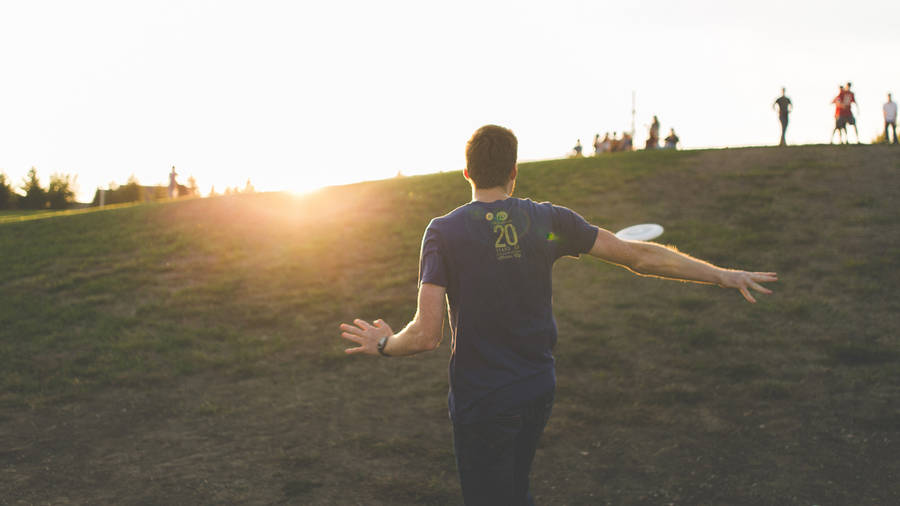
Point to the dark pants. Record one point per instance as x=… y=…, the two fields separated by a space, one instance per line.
x=784 y=124
x=893 y=125
x=494 y=456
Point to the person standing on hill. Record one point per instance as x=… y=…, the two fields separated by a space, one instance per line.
x=173 y=184
x=890 y=119
x=577 y=149
x=847 y=99
x=489 y=263
x=653 y=137
x=784 y=108
x=627 y=142
x=605 y=144
x=840 y=121
x=672 y=140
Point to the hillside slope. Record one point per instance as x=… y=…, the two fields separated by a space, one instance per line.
x=188 y=352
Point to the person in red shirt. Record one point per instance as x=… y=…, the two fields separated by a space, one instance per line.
x=840 y=121
x=847 y=101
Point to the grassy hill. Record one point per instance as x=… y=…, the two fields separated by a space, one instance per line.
x=188 y=352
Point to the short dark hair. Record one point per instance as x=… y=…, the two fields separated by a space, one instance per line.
x=491 y=156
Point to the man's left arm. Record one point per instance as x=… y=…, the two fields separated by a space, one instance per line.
x=423 y=333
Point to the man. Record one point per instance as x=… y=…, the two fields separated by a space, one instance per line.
x=605 y=144
x=784 y=108
x=577 y=149
x=653 y=137
x=672 y=140
x=491 y=261
x=840 y=121
x=890 y=119
x=173 y=184
x=627 y=142
x=847 y=101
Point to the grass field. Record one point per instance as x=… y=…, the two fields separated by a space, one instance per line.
x=188 y=352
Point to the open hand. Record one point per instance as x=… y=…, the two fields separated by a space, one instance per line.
x=365 y=335
x=745 y=281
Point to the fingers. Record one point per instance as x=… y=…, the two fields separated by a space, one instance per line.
x=759 y=288
x=747 y=295
x=751 y=281
x=764 y=277
x=358 y=339
x=352 y=337
x=362 y=333
x=361 y=327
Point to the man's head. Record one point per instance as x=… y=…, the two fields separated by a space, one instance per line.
x=889 y=97
x=491 y=157
x=783 y=91
x=848 y=85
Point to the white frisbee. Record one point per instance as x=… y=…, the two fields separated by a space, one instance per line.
x=642 y=232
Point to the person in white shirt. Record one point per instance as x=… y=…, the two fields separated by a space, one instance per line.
x=890 y=119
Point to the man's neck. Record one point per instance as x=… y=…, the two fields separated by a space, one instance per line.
x=489 y=194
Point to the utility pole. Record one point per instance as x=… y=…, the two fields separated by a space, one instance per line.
x=632 y=113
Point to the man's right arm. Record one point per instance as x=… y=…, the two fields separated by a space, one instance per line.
x=652 y=259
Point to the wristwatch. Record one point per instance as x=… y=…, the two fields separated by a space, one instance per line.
x=381 y=344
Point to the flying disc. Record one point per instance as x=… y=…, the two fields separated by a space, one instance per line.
x=642 y=232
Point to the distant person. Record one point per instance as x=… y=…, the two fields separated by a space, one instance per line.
x=890 y=119
x=577 y=149
x=173 y=184
x=605 y=144
x=653 y=138
x=597 y=145
x=784 y=108
x=840 y=121
x=614 y=143
x=489 y=264
x=627 y=143
x=847 y=99
x=671 y=140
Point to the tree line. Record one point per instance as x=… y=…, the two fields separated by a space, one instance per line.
x=60 y=194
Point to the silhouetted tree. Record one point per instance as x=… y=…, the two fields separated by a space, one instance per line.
x=212 y=191
x=61 y=192
x=35 y=196
x=248 y=188
x=129 y=192
x=192 y=187
x=7 y=195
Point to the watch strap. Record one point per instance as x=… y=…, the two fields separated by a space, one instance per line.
x=381 y=344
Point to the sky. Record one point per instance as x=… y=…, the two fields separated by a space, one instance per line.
x=294 y=95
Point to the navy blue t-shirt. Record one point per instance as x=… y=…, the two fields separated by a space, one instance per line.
x=495 y=260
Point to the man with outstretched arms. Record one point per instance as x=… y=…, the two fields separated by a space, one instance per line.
x=490 y=262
